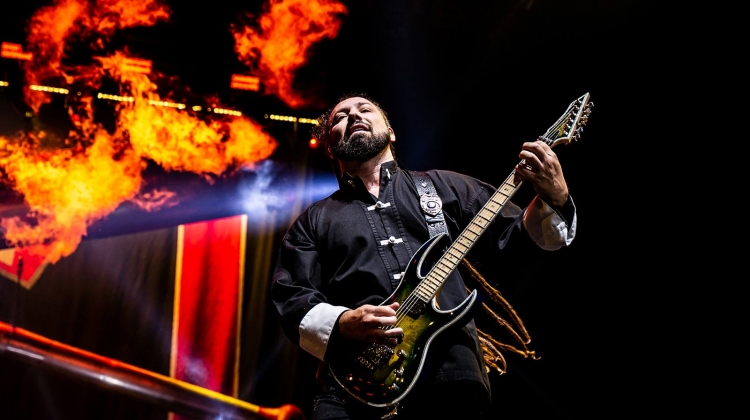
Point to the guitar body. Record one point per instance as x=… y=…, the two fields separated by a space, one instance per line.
x=381 y=376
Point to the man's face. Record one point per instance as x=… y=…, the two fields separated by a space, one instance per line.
x=358 y=130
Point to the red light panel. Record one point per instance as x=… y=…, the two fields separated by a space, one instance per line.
x=245 y=82
x=9 y=50
x=136 y=65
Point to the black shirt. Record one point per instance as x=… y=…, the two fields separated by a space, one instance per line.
x=351 y=248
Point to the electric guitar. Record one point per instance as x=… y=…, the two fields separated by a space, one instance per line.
x=380 y=375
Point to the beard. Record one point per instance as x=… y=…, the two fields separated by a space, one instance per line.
x=361 y=146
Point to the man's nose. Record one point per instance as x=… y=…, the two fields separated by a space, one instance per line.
x=354 y=115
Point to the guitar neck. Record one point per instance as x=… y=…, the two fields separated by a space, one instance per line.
x=566 y=129
x=466 y=240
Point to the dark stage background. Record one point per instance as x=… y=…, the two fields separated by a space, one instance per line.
x=464 y=83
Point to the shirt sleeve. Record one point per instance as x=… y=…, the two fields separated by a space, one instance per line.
x=551 y=228
x=306 y=317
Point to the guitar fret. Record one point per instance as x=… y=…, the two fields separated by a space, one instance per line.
x=472 y=236
x=483 y=221
x=453 y=259
x=495 y=208
x=435 y=284
x=505 y=192
x=426 y=283
x=432 y=283
x=463 y=249
x=445 y=267
x=493 y=205
x=464 y=240
x=431 y=290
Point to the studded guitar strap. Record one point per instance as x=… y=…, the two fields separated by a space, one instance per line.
x=431 y=204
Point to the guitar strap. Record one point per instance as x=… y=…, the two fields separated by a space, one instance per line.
x=432 y=206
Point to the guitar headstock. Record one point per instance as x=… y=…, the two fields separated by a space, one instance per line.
x=569 y=126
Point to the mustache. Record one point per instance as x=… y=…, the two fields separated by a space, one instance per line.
x=349 y=127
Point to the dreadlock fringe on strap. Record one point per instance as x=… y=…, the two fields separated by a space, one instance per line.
x=492 y=347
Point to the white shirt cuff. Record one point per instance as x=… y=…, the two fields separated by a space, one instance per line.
x=316 y=327
x=547 y=228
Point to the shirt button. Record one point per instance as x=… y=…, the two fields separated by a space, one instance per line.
x=392 y=240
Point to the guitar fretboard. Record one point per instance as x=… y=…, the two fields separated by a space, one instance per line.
x=461 y=246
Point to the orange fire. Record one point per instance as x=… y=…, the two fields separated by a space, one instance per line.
x=66 y=191
x=178 y=141
x=70 y=182
x=287 y=30
x=52 y=29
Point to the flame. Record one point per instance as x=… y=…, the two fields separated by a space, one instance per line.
x=69 y=182
x=281 y=44
x=51 y=29
x=178 y=141
x=66 y=191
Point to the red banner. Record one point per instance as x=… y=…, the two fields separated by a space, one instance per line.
x=208 y=298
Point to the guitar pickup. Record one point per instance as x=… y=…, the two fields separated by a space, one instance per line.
x=415 y=310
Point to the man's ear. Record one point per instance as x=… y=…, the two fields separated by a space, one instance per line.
x=393 y=135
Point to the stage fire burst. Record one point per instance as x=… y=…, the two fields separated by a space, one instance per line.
x=69 y=182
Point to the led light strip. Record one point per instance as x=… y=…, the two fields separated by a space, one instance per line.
x=115 y=97
x=167 y=104
x=49 y=89
x=292 y=119
x=226 y=111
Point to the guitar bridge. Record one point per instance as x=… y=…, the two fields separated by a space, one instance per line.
x=374 y=356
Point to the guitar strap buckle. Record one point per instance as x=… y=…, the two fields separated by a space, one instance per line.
x=432 y=206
